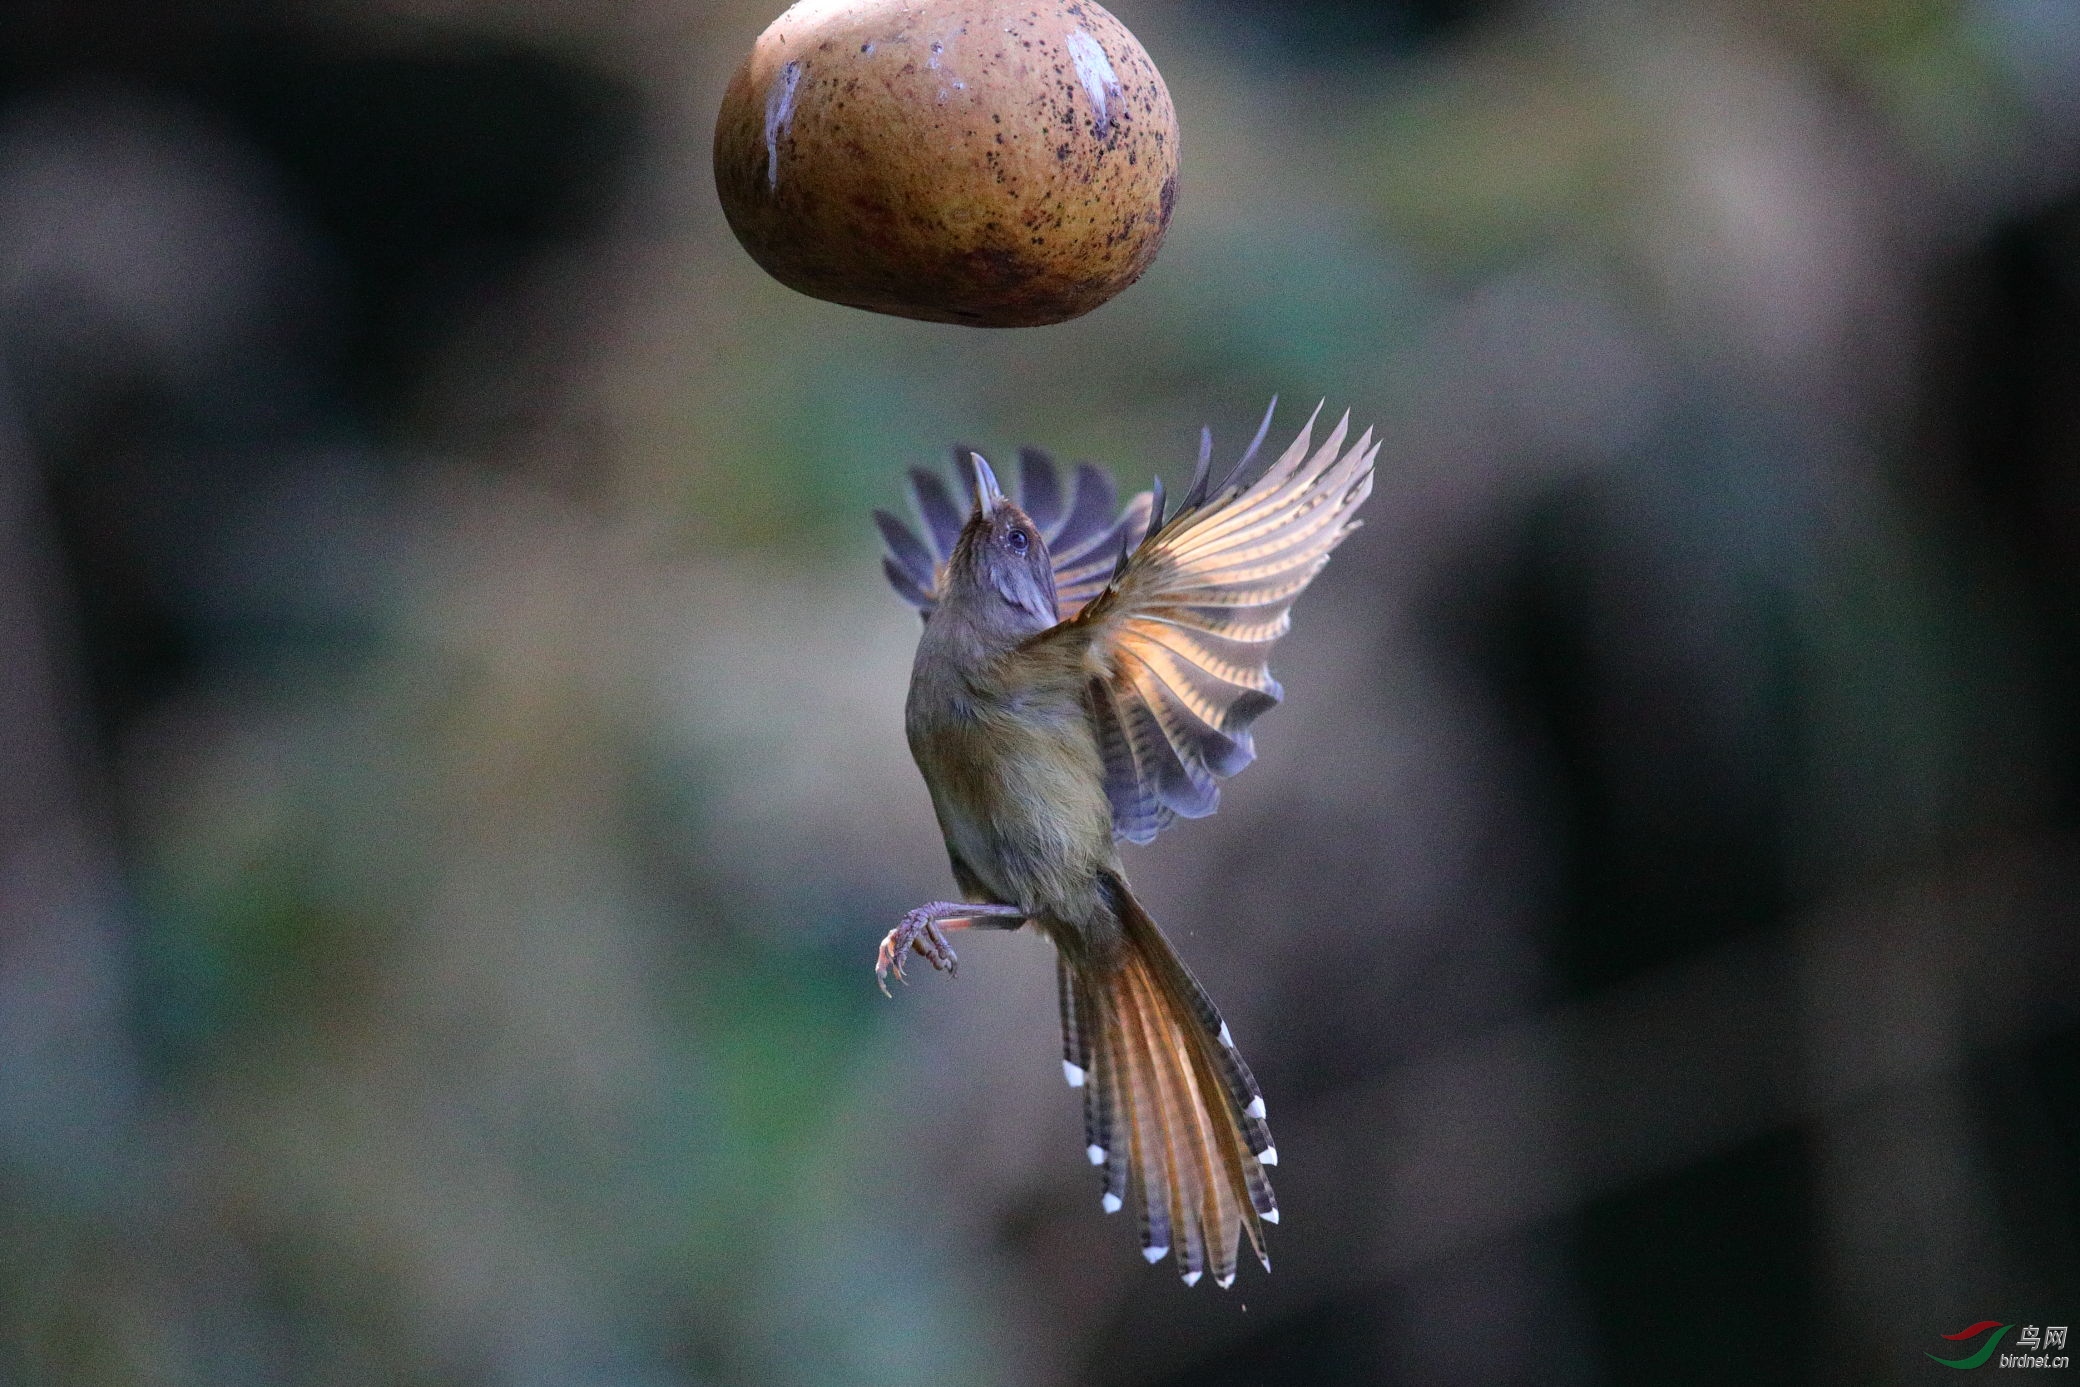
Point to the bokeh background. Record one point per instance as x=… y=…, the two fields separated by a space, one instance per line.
x=451 y=776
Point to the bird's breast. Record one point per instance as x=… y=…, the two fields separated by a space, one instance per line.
x=1018 y=788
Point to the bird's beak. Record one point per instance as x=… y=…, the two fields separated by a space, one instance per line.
x=988 y=495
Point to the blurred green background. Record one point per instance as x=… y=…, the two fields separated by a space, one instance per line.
x=451 y=771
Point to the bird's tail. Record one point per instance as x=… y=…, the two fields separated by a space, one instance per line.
x=1171 y=1112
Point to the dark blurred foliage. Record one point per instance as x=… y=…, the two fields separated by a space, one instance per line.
x=425 y=181
x=450 y=770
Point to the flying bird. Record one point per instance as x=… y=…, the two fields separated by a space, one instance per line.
x=1086 y=676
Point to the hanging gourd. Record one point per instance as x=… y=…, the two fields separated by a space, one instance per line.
x=982 y=162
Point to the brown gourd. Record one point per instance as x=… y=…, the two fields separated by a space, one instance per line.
x=982 y=162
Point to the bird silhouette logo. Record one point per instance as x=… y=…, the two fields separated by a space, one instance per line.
x=1985 y=1351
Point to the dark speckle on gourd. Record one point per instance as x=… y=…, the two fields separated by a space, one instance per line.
x=854 y=164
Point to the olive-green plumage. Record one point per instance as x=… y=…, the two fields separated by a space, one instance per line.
x=1084 y=679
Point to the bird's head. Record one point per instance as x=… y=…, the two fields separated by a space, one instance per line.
x=1000 y=571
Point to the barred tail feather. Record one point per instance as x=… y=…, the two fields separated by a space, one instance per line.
x=1171 y=1112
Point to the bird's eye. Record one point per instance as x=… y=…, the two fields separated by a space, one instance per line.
x=1019 y=540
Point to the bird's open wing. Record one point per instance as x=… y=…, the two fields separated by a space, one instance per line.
x=1081 y=523
x=1181 y=631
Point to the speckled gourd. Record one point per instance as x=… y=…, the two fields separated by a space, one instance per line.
x=983 y=162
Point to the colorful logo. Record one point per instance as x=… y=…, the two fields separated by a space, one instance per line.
x=2030 y=1340
x=1974 y=1360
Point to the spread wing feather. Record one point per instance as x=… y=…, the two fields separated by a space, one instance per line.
x=1083 y=573
x=942 y=516
x=1184 y=627
x=1039 y=489
x=1138 y=814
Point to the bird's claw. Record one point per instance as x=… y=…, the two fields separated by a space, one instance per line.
x=918 y=931
x=889 y=960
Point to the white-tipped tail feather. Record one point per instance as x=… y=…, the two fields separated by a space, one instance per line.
x=1172 y=1114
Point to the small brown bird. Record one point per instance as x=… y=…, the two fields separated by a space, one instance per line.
x=1086 y=677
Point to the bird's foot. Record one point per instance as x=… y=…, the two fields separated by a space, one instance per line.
x=920 y=931
x=923 y=931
